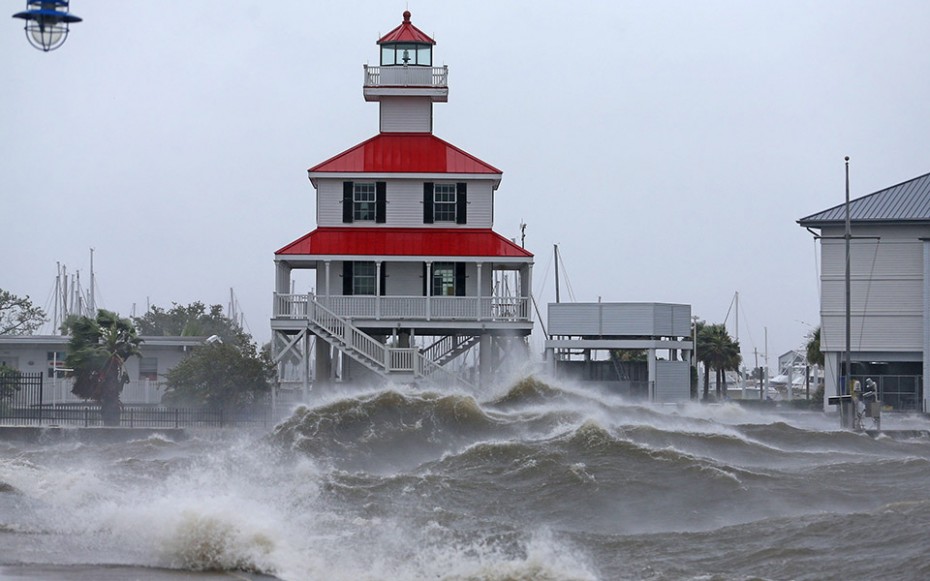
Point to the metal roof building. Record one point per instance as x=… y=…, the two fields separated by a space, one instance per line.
x=889 y=296
x=907 y=202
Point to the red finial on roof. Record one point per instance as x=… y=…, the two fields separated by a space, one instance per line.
x=406 y=32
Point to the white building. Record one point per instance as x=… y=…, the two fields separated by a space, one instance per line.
x=46 y=354
x=585 y=340
x=408 y=274
x=889 y=303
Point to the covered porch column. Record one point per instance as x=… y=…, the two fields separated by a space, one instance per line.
x=651 y=365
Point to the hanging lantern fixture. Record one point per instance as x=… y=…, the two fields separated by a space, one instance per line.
x=47 y=23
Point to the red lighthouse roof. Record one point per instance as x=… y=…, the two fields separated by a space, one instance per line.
x=404 y=153
x=406 y=32
x=443 y=242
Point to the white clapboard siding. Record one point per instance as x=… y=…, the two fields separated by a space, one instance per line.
x=886 y=291
x=876 y=258
x=405 y=204
x=329 y=203
x=406 y=115
x=878 y=296
x=405 y=279
x=872 y=333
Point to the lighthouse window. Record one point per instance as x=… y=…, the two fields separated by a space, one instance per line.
x=363 y=278
x=406 y=54
x=363 y=202
x=444 y=279
x=444 y=203
x=425 y=55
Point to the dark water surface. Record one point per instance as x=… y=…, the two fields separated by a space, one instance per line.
x=534 y=482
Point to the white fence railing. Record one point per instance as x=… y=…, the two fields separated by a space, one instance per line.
x=406 y=76
x=496 y=309
x=362 y=345
x=142 y=391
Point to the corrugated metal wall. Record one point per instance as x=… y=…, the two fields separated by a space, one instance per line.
x=619 y=319
x=873 y=333
x=406 y=115
x=886 y=292
x=673 y=381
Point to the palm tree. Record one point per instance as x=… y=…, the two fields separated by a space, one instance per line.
x=815 y=357
x=97 y=354
x=717 y=351
x=814 y=354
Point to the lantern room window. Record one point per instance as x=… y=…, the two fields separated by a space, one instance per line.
x=406 y=54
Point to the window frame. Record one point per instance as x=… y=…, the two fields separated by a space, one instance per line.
x=364 y=210
x=445 y=210
x=361 y=279
x=443 y=279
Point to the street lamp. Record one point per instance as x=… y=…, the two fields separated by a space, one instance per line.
x=47 y=23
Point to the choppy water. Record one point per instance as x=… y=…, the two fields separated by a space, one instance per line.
x=535 y=482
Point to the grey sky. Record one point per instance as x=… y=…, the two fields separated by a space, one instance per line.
x=667 y=147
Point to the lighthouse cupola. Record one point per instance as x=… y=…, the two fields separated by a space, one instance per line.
x=406 y=84
x=406 y=45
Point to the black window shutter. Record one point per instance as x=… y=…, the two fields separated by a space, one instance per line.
x=461 y=202
x=425 y=281
x=383 y=277
x=428 y=203
x=380 y=202
x=460 y=279
x=347 y=202
x=347 y=278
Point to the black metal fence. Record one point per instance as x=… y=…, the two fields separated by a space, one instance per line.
x=21 y=404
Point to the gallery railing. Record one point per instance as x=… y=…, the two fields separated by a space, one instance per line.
x=410 y=76
x=441 y=308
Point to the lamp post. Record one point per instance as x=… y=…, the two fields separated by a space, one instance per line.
x=46 y=23
x=697 y=371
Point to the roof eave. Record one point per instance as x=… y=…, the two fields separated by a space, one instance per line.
x=805 y=223
x=315 y=175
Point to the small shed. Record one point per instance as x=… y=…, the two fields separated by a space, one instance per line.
x=635 y=349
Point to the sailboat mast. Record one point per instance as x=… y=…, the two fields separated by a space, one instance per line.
x=555 y=251
x=93 y=304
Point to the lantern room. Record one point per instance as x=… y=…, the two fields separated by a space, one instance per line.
x=406 y=45
x=407 y=72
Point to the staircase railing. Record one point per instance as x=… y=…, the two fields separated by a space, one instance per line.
x=449 y=347
x=372 y=352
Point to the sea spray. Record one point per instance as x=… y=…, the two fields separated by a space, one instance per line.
x=539 y=479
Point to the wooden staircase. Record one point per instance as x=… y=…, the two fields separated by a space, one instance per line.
x=404 y=364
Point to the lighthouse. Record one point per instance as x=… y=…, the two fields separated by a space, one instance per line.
x=410 y=281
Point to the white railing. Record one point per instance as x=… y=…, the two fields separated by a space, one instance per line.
x=140 y=391
x=494 y=309
x=390 y=359
x=447 y=346
x=407 y=76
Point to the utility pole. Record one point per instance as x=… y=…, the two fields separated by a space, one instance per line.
x=846 y=414
x=765 y=371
